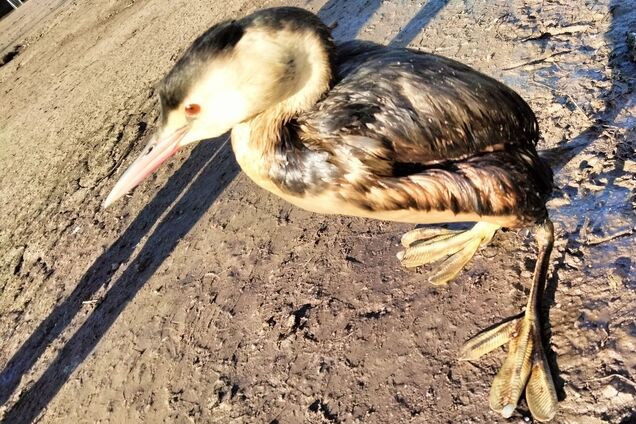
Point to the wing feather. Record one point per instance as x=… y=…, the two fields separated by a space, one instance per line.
x=422 y=108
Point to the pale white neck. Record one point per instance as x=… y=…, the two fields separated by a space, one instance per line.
x=313 y=64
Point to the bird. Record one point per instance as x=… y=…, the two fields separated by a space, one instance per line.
x=361 y=129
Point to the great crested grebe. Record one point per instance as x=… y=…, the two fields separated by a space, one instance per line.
x=378 y=132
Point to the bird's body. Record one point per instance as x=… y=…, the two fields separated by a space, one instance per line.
x=378 y=132
x=404 y=136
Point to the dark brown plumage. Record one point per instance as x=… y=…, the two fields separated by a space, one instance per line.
x=430 y=132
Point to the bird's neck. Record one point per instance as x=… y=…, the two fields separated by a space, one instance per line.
x=314 y=63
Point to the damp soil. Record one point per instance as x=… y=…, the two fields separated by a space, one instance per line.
x=201 y=298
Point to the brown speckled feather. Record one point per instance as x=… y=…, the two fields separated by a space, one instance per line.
x=426 y=108
x=402 y=129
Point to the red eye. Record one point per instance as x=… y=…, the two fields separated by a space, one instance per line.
x=192 y=110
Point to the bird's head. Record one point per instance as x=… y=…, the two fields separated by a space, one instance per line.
x=275 y=58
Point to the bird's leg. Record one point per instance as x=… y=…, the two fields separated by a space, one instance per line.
x=526 y=365
x=451 y=248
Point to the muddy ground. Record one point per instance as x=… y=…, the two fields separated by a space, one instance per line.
x=201 y=298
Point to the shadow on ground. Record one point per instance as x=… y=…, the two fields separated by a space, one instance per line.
x=196 y=199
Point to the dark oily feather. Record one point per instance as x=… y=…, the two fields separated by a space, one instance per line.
x=297 y=169
x=426 y=108
x=409 y=130
x=504 y=183
x=513 y=182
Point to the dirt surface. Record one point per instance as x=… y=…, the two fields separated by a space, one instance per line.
x=201 y=298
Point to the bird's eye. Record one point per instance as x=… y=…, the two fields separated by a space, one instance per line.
x=192 y=110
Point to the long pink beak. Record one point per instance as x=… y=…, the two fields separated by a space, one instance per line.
x=156 y=152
